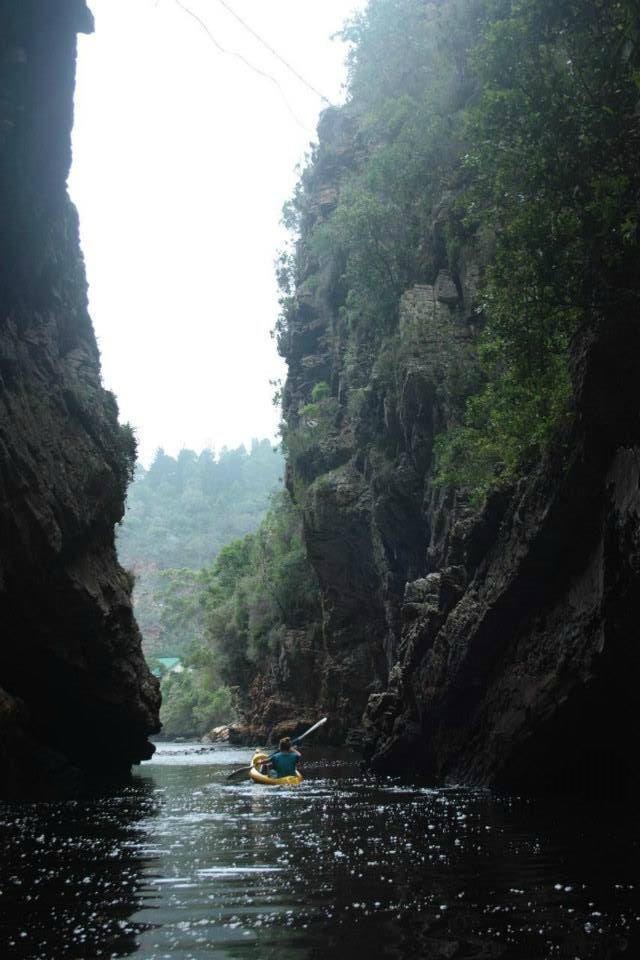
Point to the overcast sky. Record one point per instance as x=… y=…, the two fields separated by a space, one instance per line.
x=183 y=157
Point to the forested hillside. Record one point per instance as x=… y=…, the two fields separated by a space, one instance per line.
x=180 y=513
x=259 y=600
x=459 y=321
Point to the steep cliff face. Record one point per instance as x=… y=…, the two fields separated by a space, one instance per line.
x=75 y=693
x=361 y=456
x=493 y=643
x=286 y=697
x=500 y=642
x=517 y=663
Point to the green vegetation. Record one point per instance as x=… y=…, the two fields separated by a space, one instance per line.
x=128 y=451
x=259 y=587
x=408 y=84
x=190 y=707
x=552 y=170
x=180 y=513
x=232 y=598
x=184 y=509
x=504 y=127
x=321 y=391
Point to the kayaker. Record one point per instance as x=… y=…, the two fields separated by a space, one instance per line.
x=284 y=761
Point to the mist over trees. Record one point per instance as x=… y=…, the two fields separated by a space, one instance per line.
x=184 y=509
x=180 y=513
x=495 y=139
x=260 y=588
x=506 y=125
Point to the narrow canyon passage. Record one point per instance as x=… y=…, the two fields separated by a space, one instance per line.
x=182 y=864
x=431 y=537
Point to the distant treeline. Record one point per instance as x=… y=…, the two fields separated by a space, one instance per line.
x=184 y=509
x=488 y=139
x=180 y=513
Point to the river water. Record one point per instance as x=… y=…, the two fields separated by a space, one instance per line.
x=182 y=864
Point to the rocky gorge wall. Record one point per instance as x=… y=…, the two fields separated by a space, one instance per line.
x=489 y=645
x=517 y=663
x=75 y=693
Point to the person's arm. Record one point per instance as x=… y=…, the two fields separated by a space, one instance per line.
x=296 y=751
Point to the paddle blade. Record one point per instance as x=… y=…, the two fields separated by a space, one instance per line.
x=310 y=730
x=241 y=774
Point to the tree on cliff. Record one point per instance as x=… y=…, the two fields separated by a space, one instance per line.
x=258 y=587
x=552 y=172
x=509 y=126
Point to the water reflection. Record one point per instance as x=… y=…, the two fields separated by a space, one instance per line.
x=185 y=865
x=72 y=876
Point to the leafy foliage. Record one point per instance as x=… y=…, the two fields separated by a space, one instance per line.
x=519 y=119
x=384 y=212
x=180 y=513
x=394 y=151
x=191 y=708
x=553 y=171
x=184 y=509
x=321 y=391
x=128 y=450
x=258 y=587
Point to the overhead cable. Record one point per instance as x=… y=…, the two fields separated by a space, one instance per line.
x=247 y=63
x=273 y=52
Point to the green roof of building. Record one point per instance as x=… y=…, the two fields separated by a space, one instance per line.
x=169 y=662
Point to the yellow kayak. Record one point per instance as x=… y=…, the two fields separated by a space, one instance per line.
x=257 y=777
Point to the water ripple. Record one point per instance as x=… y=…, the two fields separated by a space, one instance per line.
x=185 y=865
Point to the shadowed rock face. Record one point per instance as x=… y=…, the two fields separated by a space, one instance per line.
x=359 y=463
x=492 y=647
x=75 y=692
x=526 y=672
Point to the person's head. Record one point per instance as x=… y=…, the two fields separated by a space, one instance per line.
x=285 y=743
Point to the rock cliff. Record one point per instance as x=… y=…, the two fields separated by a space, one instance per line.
x=487 y=644
x=517 y=663
x=360 y=455
x=76 y=697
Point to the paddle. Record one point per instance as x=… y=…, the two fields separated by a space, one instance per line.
x=235 y=774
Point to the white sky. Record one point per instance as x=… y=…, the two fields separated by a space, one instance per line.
x=183 y=158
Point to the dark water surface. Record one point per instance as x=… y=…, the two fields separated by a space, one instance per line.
x=183 y=865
